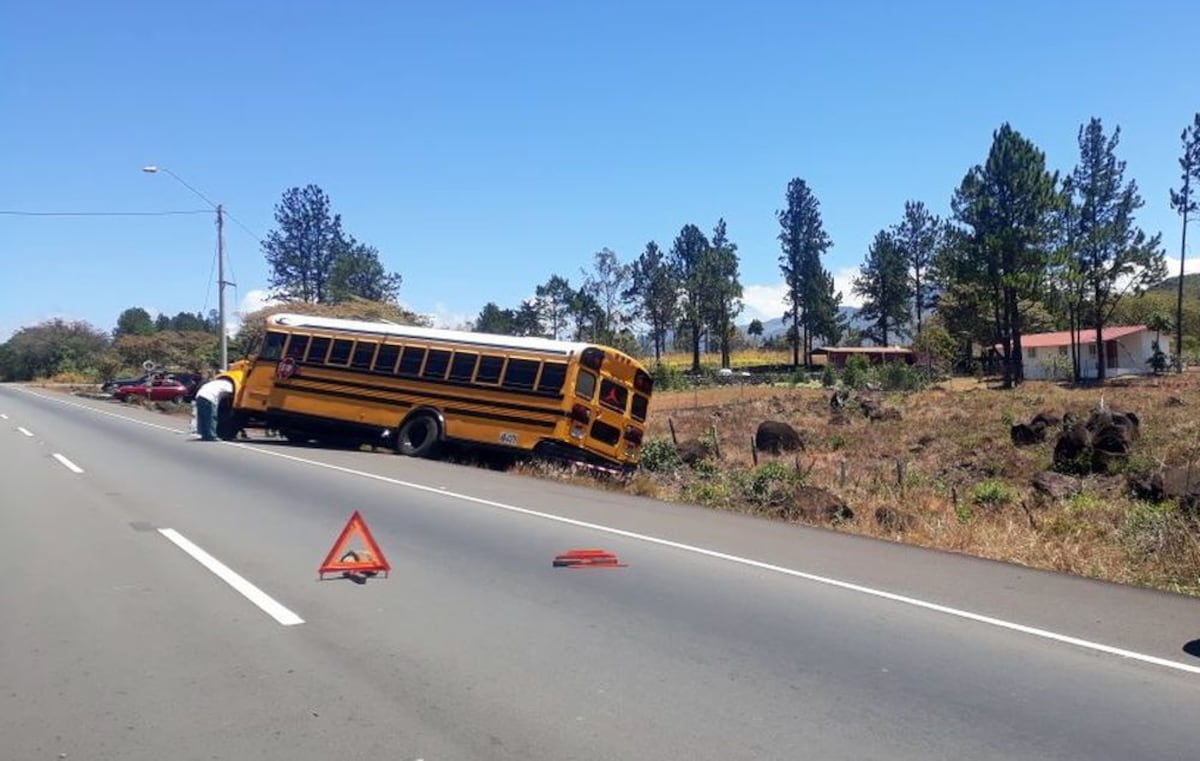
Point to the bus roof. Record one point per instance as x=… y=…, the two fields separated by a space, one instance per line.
x=430 y=334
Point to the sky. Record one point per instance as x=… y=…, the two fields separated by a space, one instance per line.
x=483 y=146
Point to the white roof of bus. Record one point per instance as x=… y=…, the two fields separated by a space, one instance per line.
x=431 y=334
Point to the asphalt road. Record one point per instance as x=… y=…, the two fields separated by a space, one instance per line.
x=725 y=637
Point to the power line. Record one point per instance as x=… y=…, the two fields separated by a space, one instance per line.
x=16 y=213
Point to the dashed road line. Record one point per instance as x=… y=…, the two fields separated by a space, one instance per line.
x=67 y=463
x=264 y=601
x=25 y=431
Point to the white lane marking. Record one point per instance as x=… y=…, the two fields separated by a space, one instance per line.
x=252 y=593
x=67 y=463
x=850 y=586
x=869 y=591
x=90 y=408
x=25 y=431
x=3 y=416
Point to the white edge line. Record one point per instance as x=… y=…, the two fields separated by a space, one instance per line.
x=67 y=463
x=25 y=431
x=98 y=411
x=252 y=593
x=3 y=416
x=870 y=591
x=878 y=593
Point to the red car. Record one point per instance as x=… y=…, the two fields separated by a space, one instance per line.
x=158 y=390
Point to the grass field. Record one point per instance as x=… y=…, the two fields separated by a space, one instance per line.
x=949 y=471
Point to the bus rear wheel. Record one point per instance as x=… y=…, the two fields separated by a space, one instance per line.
x=419 y=436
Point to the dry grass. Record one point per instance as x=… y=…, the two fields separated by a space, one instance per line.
x=950 y=467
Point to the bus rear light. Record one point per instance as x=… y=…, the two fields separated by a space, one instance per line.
x=581 y=413
x=633 y=435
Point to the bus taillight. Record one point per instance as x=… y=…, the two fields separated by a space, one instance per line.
x=581 y=413
x=633 y=435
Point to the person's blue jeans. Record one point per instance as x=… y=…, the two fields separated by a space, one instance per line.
x=206 y=419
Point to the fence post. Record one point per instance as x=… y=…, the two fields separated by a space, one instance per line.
x=716 y=444
x=754 y=451
x=900 y=475
x=842 y=474
x=674 y=438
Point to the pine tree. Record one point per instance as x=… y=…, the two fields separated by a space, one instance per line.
x=917 y=237
x=655 y=292
x=301 y=251
x=723 y=288
x=688 y=254
x=1184 y=202
x=554 y=298
x=812 y=303
x=1114 y=255
x=884 y=284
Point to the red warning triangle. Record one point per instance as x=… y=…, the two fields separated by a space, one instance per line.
x=346 y=560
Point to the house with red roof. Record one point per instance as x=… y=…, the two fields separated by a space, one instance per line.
x=1127 y=351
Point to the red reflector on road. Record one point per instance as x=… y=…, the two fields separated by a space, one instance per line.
x=588 y=558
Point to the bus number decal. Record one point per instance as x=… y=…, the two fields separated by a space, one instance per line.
x=508 y=438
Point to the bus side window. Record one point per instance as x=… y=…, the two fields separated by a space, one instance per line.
x=489 y=369
x=410 y=361
x=521 y=374
x=585 y=385
x=364 y=352
x=553 y=376
x=462 y=368
x=385 y=361
x=436 y=364
x=318 y=349
x=296 y=347
x=340 y=354
x=273 y=346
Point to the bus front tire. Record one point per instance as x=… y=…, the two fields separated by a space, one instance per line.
x=419 y=436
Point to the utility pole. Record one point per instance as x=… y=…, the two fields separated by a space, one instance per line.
x=221 y=286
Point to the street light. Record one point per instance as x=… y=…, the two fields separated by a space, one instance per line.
x=220 y=255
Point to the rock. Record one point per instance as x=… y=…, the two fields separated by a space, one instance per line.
x=1175 y=401
x=814 y=504
x=894 y=520
x=693 y=451
x=1181 y=483
x=775 y=436
x=1056 y=485
x=1073 y=450
x=1046 y=419
x=838 y=399
x=839 y=418
x=885 y=413
x=1027 y=434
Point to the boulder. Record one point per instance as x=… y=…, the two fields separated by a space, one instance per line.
x=1180 y=483
x=894 y=520
x=1104 y=441
x=692 y=451
x=813 y=503
x=1175 y=401
x=1072 y=451
x=1056 y=485
x=775 y=436
x=1027 y=434
x=1046 y=419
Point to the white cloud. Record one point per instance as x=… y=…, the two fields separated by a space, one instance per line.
x=1191 y=266
x=445 y=317
x=765 y=302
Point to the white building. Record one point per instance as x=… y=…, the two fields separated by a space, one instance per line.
x=1127 y=351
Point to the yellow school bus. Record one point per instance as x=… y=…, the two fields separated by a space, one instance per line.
x=415 y=388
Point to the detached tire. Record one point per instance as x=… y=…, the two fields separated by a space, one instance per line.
x=419 y=436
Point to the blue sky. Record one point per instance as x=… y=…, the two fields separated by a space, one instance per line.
x=483 y=146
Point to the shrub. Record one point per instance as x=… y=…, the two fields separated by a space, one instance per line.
x=772 y=484
x=897 y=376
x=992 y=493
x=659 y=455
x=829 y=376
x=857 y=372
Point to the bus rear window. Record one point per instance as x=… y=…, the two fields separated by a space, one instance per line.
x=553 y=375
x=613 y=395
x=436 y=364
x=640 y=405
x=318 y=349
x=489 y=369
x=410 y=361
x=296 y=347
x=585 y=385
x=364 y=352
x=463 y=366
x=604 y=432
x=340 y=354
x=385 y=361
x=520 y=374
x=273 y=346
